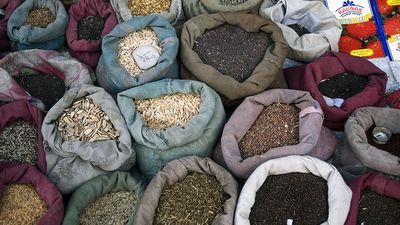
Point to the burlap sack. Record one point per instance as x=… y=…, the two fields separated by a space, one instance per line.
x=9 y=6
x=339 y=194
x=268 y=74
x=176 y=171
x=359 y=122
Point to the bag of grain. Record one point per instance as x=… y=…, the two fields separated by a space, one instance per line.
x=7 y=7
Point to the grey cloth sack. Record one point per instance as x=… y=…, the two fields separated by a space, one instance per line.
x=323 y=27
x=70 y=163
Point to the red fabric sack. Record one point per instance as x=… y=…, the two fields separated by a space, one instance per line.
x=27 y=112
x=307 y=77
x=9 y=6
x=27 y=174
x=88 y=51
x=376 y=182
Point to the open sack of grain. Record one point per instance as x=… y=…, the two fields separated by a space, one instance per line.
x=38 y=24
x=28 y=197
x=107 y=199
x=86 y=136
x=236 y=54
x=303 y=189
x=273 y=124
x=40 y=76
x=169 y=119
x=138 y=51
x=8 y=7
x=189 y=190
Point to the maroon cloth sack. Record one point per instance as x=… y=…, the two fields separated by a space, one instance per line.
x=9 y=6
x=27 y=174
x=376 y=182
x=307 y=77
x=88 y=51
x=28 y=112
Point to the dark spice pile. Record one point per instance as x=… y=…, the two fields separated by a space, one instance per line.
x=276 y=126
x=232 y=50
x=343 y=85
x=19 y=142
x=297 y=196
x=40 y=17
x=91 y=27
x=232 y=2
x=197 y=199
x=48 y=88
x=376 y=209
x=393 y=145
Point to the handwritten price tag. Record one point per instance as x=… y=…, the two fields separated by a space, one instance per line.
x=146 y=56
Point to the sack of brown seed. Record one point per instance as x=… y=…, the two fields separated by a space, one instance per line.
x=256 y=132
x=7 y=8
x=38 y=24
x=136 y=52
x=85 y=136
x=170 y=119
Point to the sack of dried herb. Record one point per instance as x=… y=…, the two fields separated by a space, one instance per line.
x=266 y=74
x=170 y=119
x=28 y=62
x=117 y=69
x=86 y=136
x=263 y=127
x=17 y=209
x=8 y=6
x=174 y=173
x=94 y=17
x=338 y=193
x=310 y=77
x=25 y=35
x=86 y=201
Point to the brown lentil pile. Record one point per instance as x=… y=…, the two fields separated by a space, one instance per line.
x=169 y=110
x=19 y=142
x=276 y=126
x=21 y=204
x=40 y=17
x=393 y=145
x=129 y=43
x=197 y=199
x=85 y=121
x=143 y=8
x=111 y=209
x=232 y=2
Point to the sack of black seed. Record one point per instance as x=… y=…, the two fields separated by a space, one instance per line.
x=7 y=7
x=170 y=119
x=90 y=21
x=28 y=197
x=236 y=54
x=85 y=136
x=171 y=10
x=40 y=76
x=38 y=24
x=294 y=189
x=136 y=52
x=20 y=138
x=107 y=199
x=189 y=190
x=379 y=149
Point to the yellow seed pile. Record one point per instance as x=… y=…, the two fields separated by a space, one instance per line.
x=21 y=204
x=129 y=43
x=169 y=110
x=40 y=17
x=146 y=7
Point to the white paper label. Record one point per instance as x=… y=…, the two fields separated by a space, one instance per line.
x=146 y=56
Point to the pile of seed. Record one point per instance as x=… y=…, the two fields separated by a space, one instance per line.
x=21 y=204
x=168 y=110
x=393 y=145
x=276 y=126
x=40 y=17
x=112 y=208
x=19 y=142
x=301 y=197
x=232 y=2
x=374 y=208
x=129 y=43
x=343 y=85
x=91 y=27
x=232 y=50
x=85 y=121
x=197 y=199
x=143 y=8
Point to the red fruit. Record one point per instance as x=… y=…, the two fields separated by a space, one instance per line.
x=384 y=7
x=377 y=48
x=361 y=30
x=393 y=99
x=347 y=44
x=392 y=26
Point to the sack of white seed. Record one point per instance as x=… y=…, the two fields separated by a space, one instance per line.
x=85 y=136
x=170 y=119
